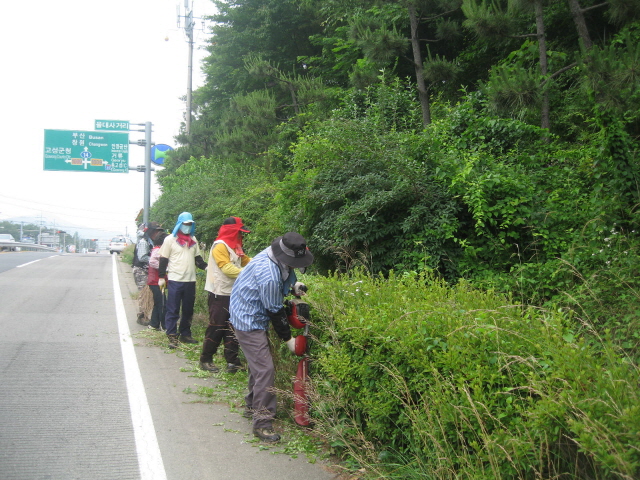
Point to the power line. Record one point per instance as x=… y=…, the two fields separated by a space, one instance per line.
x=63 y=210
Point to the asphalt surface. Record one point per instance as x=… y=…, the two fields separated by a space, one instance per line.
x=9 y=260
x=85 y=396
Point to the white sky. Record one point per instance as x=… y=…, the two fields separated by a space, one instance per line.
x=67 y=63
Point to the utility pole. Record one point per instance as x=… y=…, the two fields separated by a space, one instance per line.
x=189 y=23
x=188 y=28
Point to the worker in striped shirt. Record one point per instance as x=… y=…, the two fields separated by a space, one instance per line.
x=256 y=302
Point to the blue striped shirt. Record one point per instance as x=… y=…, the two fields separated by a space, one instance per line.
x=257 y=289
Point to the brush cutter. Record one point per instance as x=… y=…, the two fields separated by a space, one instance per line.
x=163 y=314
x=298 y=315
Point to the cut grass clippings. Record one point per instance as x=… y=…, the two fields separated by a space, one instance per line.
x=230 y=389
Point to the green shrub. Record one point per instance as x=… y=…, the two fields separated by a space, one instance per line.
x=605 y=285
x=369 y=197
x=126 y=255
x=212 y=189
x=417 y=377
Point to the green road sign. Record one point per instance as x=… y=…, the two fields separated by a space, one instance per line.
x=120 y=125
x=82 y=151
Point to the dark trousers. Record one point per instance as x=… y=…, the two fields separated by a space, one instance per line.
x=262 y=374
x=159 y=308
x=219 y=330
x=180 y=294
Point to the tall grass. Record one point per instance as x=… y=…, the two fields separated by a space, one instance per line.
x=415 y=379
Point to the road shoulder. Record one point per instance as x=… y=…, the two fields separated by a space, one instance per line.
x=200 y=439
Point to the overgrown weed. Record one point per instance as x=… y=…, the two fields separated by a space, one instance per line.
x=416 y=379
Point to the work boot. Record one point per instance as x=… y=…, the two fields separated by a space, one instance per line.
x=187 y=339
x=266 y=434
x=173 y=341
x=233 y=368
x=209 y=367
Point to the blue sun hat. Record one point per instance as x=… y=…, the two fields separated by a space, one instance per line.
x=184 y=217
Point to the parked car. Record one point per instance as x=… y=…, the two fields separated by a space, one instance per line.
x=118 y=244
x=7 y=238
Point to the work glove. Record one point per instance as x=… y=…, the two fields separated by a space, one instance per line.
x=280 y=324
x=200 y=263
x=299 y=289
x=162 y=283
x=291 y=343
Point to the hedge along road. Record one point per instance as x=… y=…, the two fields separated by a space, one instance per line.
x=79 y=399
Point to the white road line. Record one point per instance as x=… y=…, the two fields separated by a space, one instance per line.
x=29 y=263
x=149 y=456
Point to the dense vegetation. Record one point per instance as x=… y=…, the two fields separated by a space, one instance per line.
x=471 y=156
x=418 y=379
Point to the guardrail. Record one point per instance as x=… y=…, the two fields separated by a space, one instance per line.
x=13 y=246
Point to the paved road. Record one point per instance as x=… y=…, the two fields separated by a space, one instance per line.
x=9 y=260
x=81 y=399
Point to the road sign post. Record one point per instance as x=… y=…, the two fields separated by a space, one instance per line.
x=147 y=172
x=146 y=168
x=86 y=151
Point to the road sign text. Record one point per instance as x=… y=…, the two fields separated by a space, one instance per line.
x=78 y=150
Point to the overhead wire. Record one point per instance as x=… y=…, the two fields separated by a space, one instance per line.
x=65 y=208
x=58 y=210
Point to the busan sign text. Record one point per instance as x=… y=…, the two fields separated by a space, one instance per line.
x=78 y=150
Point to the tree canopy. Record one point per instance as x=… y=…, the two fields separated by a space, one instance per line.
x=491 y=140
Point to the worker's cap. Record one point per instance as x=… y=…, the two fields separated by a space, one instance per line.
x=185 y=217
x=291 y=249
x=236 y=221
x=154 y=226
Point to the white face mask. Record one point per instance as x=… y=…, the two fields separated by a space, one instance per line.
x=186 y=229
